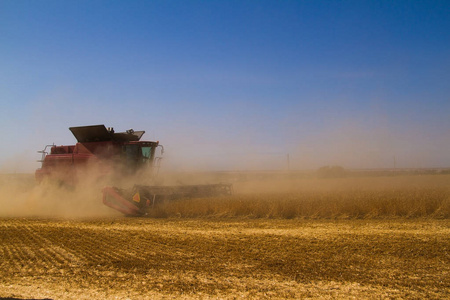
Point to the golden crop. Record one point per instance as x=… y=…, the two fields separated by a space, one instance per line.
x=360 y=197
x=275 y=237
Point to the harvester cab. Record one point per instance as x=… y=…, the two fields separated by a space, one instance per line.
x=118 y=155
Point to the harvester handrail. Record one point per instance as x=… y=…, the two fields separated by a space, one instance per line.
x=44 y=152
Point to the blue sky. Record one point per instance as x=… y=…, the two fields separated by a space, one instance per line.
x=228 y=85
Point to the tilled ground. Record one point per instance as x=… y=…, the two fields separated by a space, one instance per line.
x=238 y=258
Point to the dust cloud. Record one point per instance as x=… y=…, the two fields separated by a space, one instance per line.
x=21 y=196
x=251 y=167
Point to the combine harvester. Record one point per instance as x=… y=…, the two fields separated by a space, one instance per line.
x=117 y=155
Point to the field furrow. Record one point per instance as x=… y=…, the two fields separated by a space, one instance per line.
x=145 y=258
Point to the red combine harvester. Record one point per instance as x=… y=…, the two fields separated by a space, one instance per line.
x=117 y=155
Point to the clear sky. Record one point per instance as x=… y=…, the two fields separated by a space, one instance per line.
x=228 y=85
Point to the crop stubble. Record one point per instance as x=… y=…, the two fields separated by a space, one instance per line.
x=147 y=258
x=276 y=238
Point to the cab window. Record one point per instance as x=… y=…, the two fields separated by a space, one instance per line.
x=146 y=152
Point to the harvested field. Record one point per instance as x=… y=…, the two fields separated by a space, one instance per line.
x=276 y=237
x=147 y=258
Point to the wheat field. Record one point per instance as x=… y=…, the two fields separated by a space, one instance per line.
x=275 y=238
x=288 y=196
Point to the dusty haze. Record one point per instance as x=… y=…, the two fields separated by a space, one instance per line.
x=21 y=196
x=256 y=144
